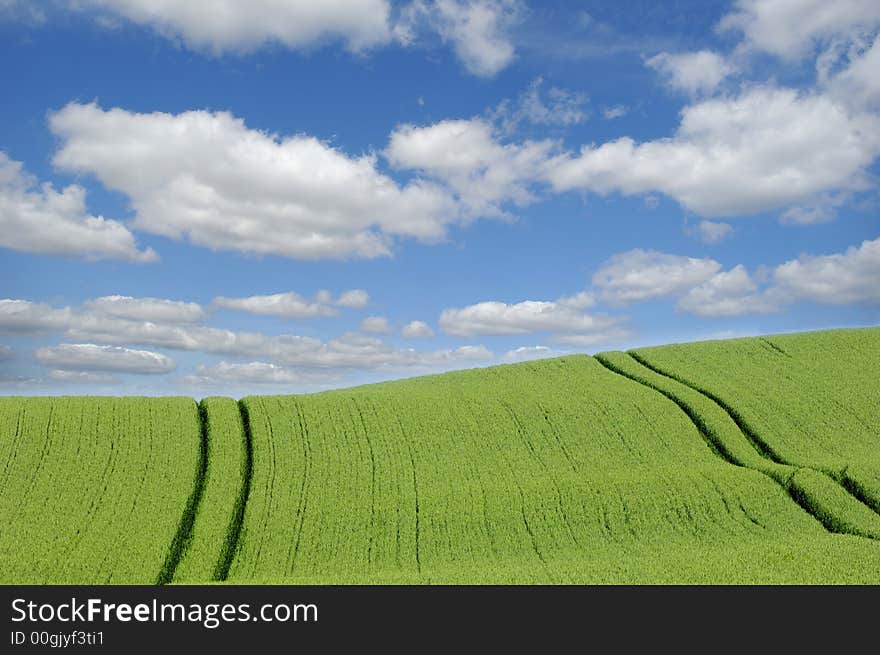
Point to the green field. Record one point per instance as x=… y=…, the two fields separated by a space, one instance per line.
x=741 y=461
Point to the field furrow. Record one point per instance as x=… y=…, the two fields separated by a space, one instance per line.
x=814 y=491
x=808 y=401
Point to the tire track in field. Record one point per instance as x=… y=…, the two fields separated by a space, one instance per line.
x=779 y=350
x=233 y=533
x=185 y=527
x=763 y=449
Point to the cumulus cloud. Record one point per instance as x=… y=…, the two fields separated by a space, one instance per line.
x=477 y=30
x=713 y=231
x=91 y=357
x=220 y=26
x=694 y=73
x=81 y=377
x=416 y=330
x=157 y=310
x=292 y=305
x=836 y=279
x=645 y=274
x=36 y=218
x=208 y=177
x=766 y=149
x=727 y=293
x=6 y=353
x=793 y=28
x=378 y=324
x=465 y=156
x=857 y=83
x=843 y=278
x=564 y=317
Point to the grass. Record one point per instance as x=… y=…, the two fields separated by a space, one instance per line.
x=93 y=490
x=552 y=471
x=811 y=398
x=743 y=461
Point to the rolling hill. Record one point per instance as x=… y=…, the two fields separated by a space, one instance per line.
x=741 y=461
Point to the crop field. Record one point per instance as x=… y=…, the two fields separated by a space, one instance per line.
x=813 y=400
x=93 y=490
x=739 y=461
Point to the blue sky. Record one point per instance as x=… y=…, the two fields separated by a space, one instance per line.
x=233 y=198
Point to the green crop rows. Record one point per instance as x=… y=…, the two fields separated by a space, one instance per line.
x=93 y=490
x=742 y=461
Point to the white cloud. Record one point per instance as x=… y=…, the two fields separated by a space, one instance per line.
x=6 y=353
x=694 y=73
x=81 y=377
x=617 y=111
x=231 y=25
x=792 y=28
x=611 y=334
x=29 y=317
x=253 y=372
x=727 y=293
x=354 y=298
x=464 y=155
x=38 y=219
x=147 y=309
x=416 y=330
x=821 y=209
x=563 y=316
x=91 y=357
x=346 y=352
x=292 y=305
x=645 y=274
x=477 y=30
x=766 y=149
x=713 y=231
x=376 y=324
x=208 y=177
x=838 y=279
x=557 y=107
x=526 y=353
x=857 y=85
